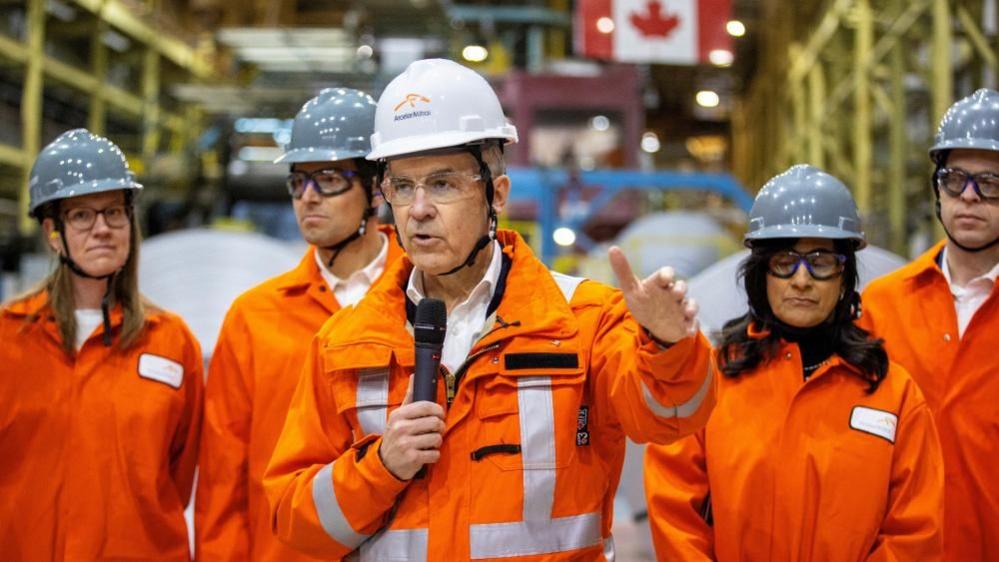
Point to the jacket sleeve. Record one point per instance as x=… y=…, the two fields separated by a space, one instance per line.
x=656 y=395
x=676 y=487
x=184 y=446
x=913 y=525
x=222 y=523
x=327 y=493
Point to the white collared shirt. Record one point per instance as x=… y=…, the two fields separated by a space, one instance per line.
x=351 y=290
x=969 y=298
x=467 y=321
x=87 y=321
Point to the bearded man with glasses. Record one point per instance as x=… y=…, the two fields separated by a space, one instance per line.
x=267 y=331
x=939 y=317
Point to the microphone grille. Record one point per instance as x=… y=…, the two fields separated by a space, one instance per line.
x=430 y=323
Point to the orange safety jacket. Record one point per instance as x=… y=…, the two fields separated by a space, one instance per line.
x=97 y=451
x=251 y=377
x=802 y=471
x=913 y=310
x=535 y=424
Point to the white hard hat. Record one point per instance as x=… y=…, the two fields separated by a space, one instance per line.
x=436 y=103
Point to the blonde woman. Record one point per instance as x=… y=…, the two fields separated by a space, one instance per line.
x=101 y=391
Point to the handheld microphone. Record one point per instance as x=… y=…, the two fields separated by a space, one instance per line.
x=429 y=328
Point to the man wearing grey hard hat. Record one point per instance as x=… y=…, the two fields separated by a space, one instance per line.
x=267 y=331
x=939 y=317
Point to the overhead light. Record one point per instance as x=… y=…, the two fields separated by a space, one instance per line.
x=474 y=53
x=721 y=57
x=707 y=98
x=735 y=28
x=605 y=25
x=564 y=236
x=650 y=142
x=365 y=52
x=600 y=123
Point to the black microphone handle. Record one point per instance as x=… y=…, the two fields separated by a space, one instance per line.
x=428 y=361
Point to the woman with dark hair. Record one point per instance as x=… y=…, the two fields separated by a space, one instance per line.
x=100 y=392
x=819 y=447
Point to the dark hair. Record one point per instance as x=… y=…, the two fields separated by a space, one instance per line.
x=739 y=353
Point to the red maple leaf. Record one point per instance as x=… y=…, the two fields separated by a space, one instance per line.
x=653 y=23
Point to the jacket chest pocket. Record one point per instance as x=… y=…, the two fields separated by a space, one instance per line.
x=528 y=420
x=363 y=396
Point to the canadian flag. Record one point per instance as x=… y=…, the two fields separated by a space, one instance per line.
x=652 y=31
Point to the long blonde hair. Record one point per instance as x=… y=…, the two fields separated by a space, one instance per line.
x=124 y=291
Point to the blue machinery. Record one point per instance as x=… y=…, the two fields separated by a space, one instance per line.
x=546 y=185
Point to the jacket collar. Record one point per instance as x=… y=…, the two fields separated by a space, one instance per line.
x=307 y=273
x=530 y=303
x=926 y=265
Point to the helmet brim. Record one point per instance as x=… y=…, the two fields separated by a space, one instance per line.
x=298 y=155
x=422 y=143
x=803 y=231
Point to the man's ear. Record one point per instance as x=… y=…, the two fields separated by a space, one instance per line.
x=501 y=192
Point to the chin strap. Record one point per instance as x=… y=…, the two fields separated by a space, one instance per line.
x=487 y=178
x=66 y=259
x=361 y=229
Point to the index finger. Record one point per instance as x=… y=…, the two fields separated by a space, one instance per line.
x=622 y=269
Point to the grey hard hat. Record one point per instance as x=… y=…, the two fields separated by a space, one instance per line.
x=804 y=202
x=77 y=163
x=972 y=122
x=335 y=125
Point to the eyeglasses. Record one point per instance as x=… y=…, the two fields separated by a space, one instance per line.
x=440 y=188
x=821 y=264
x=328 y=183
x=955 y=180
x=84 y=218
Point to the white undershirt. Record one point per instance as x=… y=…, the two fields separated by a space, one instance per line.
x=969 y=298
x=350 y=291
x=87 y=321
x=467 y=321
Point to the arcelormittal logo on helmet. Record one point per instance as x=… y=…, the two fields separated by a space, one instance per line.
x=411 y=100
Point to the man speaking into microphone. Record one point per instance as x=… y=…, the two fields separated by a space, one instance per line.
x=542 y=375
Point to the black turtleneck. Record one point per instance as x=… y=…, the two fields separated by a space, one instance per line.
x=816 y=344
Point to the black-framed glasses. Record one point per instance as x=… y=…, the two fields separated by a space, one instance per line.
x=953 y=181
x=440 y=187
x=328 y=183
x=821 y=264
x=84 y=218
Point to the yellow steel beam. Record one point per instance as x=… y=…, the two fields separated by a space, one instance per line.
x=120 y=16
x=862 y=155
x=97 y=114
x=976 y=37
x=899 y=26
x=816 y=104
x=897 y=148
x=151 y=104
x=942 y=77
x=31 y=104
x=13 y=156
x=823 y=33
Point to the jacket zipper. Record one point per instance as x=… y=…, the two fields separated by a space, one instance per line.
x=451 y=380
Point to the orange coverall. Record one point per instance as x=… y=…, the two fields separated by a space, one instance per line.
x=97 y=452
x=253 y=372
x=802 y=471
x=913 y=310
x=535 y=427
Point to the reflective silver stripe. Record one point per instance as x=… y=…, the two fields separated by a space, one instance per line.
x=609 y=554
x=566 y=283
x=331 y=517
x=684 y=410
x=403 y=544
x=372 y=399
x=537 y=445
x=526 y=538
